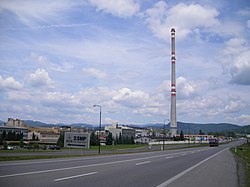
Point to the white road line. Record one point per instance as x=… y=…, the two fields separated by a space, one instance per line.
x=164 y=184
x=84 y=166
x=92 y=165
x=75 y=176
x=142 y=163
x=169 y=157
x=44 y=161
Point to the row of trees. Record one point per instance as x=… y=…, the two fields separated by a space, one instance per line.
x=109 y=139
x=10 y=136
x=226 y=133
x=94 y=141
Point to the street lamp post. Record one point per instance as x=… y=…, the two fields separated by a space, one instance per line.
x=188 y=134
x=100 y=125
x=164 y=136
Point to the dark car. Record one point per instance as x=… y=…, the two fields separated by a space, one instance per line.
x=213 y=142
x=54 y=147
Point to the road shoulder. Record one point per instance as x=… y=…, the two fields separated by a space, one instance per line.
x=218 y=171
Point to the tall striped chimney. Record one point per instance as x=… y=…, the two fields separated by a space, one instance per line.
x=173 y=124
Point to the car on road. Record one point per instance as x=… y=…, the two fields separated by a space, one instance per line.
x=213 y=142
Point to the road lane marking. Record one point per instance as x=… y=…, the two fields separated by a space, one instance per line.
x=164 y=184
x=169 y=157
x=43 y=162
x=142 y=163
x=92 y=165
x=75 y=176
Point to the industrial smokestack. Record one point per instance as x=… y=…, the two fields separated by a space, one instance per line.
x=173 y=124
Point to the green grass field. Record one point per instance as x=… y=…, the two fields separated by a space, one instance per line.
x=108 y=147
x=243 y=152
x=120 y=146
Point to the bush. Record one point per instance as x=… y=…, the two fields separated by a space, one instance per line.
x=35 y=146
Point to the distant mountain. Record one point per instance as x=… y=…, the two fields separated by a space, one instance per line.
x=206 y=128
x=32 y=123
x=194 y=128
x=84 y=125
x=243 y=130
x=187 y=128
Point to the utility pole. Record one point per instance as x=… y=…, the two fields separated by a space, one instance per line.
x=100 y=126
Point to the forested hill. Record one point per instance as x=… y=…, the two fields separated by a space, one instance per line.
x=195 y=128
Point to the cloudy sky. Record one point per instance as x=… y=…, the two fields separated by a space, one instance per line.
x=58 y=58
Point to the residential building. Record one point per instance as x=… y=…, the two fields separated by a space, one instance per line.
x=15 y=122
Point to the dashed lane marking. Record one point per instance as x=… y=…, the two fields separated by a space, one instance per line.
x=75 y=176
x=142 y=163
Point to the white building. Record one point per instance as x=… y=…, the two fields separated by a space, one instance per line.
x=15 y=122
x=36 y=134
x=124 y=131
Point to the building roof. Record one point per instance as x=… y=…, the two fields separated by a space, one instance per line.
x=12 y=127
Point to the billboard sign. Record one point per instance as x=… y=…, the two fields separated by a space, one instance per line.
x=76 y=140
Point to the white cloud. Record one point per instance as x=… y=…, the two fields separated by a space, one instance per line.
x=243 y=119
x=184 y=88
x=248 y=24
x=241 y=69
x=149 y=111
x=55 y=98
x=95 y=73
x=30 y=12
x=234 y=47
x=19 y=96
x=131 y=99
x=236 y=42
x=234 y=106
x=120 y=8
x=9 y=83
x=41 y=60
x=185 y=18
x=44 y=62
x=235 y=60
x=95 y=95
x=40 y=79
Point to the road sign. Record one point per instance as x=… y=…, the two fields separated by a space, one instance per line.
x=76 y=140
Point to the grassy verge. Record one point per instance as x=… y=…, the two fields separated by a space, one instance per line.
x=12 y=158
x=24 y=151
x=30 y=157
x=121 y=146
x=243 y=152
x=114 y=150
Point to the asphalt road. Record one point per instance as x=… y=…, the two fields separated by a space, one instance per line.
x=203 y=166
